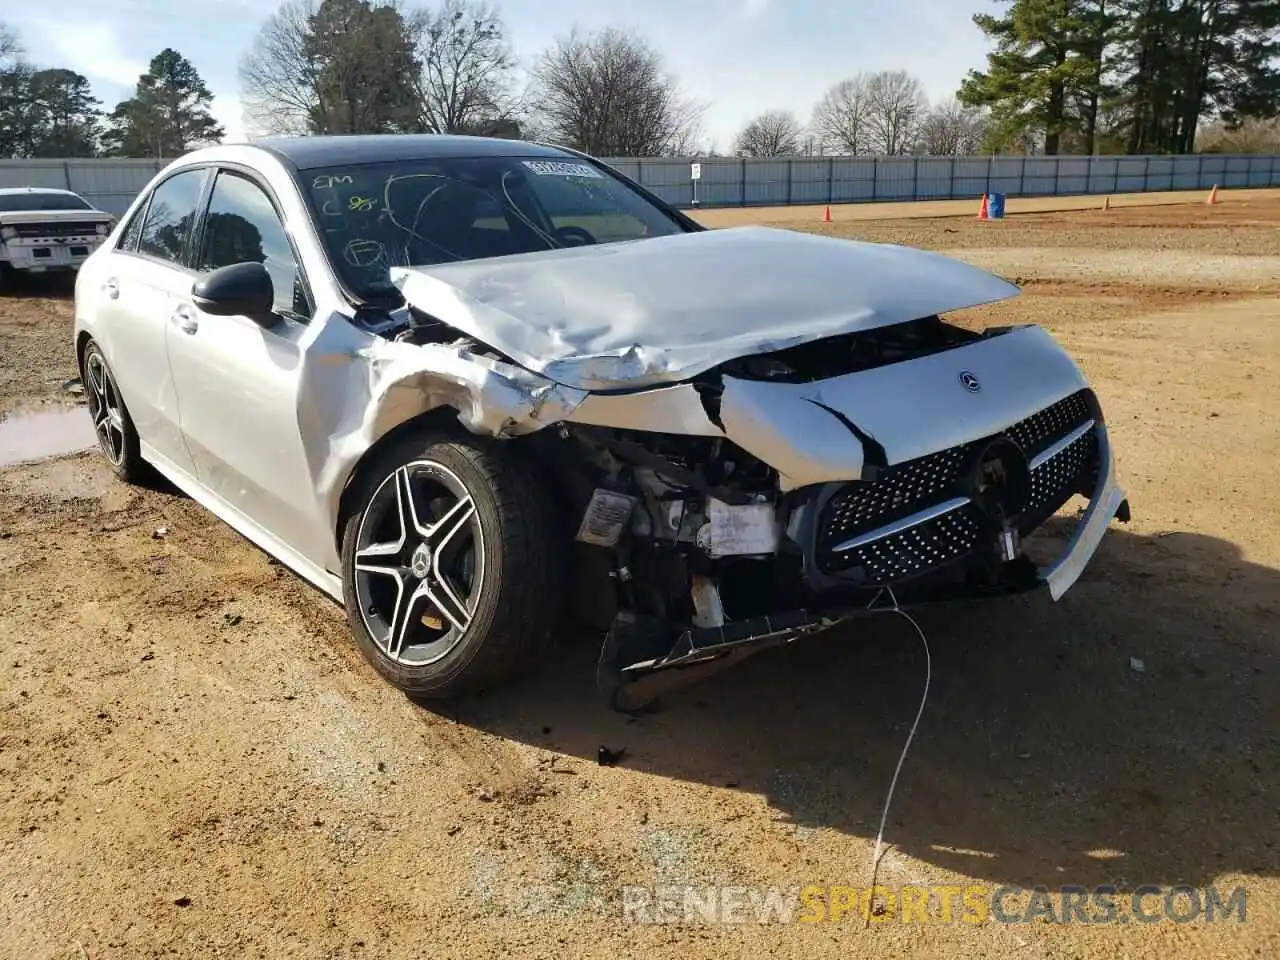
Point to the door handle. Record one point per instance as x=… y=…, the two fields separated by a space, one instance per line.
x=111 y=288
x=184 y=318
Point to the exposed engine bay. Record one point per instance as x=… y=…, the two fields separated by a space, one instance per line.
x=689 y=546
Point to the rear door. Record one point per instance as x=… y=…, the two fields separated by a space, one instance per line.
x=139 y=281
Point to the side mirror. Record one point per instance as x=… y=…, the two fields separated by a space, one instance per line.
x=238 y=289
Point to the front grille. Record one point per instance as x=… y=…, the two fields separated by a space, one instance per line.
x=1059 y=476
x=1041 y=429
x=918 y=549
x=54 y=230
x=899 y=492
x=915 y=485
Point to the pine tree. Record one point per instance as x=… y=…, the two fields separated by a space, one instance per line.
x=361 y=68
x=1185 y=60
x=66 y=115
x=1093 y=26
x=167 y=115
x=1029 y=72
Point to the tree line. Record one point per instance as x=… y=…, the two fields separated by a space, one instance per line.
x=1126 y=76
x=1075 y=77
x=356 y=66
x=52 y=112
x=1063 y=76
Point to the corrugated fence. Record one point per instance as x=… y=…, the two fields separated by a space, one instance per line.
x=109 y=185
x=740 y=183
x=732 y=182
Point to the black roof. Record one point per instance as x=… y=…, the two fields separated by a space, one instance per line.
x=306 y=153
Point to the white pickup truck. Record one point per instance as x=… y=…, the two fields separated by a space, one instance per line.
x=44 y=230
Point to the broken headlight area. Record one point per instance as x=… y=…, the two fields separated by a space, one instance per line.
x=688 y=553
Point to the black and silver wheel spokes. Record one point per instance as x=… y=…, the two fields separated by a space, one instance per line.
x=104 y=407
x=418 y=563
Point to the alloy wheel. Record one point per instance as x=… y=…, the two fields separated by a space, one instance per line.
x=419 y=563
x=104 y=406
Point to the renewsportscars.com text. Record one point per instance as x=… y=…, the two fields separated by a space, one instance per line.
x=972 y=904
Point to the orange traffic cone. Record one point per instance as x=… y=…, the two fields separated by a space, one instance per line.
x=1213 y=195
x=982 y=210
x=826 y=217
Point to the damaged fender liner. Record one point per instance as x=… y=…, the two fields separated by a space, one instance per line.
x=637 y=454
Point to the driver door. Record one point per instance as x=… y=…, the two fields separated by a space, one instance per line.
x=238 y=383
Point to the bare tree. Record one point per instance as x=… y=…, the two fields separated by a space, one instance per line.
x=277 y=86
x=896 y=106
x=10 y=46
x=606 y=93
x=1249 y=135
x=842 y=117
x=951 y=129
x=467 y=65
x=775 y=133
x=687 y=141
x=331 y=66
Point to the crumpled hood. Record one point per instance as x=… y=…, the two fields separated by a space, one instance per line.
x=645 y=312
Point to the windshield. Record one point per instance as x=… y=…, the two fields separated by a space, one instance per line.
x=415 y=213
x=15 y=202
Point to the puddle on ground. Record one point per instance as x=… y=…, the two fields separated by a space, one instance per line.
x=39 y=433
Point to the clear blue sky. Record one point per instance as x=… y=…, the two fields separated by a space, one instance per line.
x=739 y=56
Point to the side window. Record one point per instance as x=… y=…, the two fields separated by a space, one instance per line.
x=129 y=239
x=242 y=225
x=170 y=216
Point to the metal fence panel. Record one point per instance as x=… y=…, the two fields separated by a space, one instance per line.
x=112 y=187
x=34 y=173
x=1262 y=175
x=733 y=181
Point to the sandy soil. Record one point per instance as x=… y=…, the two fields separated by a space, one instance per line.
x=194 y=762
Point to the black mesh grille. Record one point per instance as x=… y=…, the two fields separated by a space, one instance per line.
x=907 y=488
x=1059 y=476
x=75 y=229
x=1042 y=429
x=901 y=491
x=916 y=550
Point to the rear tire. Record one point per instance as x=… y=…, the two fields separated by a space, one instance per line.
x=451 y=567
x=117 y=438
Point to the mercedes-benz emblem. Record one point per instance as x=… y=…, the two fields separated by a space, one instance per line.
x=969 y=381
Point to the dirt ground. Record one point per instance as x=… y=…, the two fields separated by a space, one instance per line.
x=194 y=762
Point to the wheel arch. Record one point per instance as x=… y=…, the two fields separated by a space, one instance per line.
x=442 y=418
x=82 y=344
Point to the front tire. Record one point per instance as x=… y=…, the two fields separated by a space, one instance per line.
x=450 y=565
x=117 y=438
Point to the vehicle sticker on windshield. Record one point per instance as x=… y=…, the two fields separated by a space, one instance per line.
x=560 y=168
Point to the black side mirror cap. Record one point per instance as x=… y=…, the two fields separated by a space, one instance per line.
x=238 y=289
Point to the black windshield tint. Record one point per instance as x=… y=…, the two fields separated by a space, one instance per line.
x=15 y=202
x=415 y=213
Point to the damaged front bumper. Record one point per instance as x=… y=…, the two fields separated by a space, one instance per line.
x=1108 y=501
x=648 y=656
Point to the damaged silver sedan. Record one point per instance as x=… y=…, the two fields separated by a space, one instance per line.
x=472 y=387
